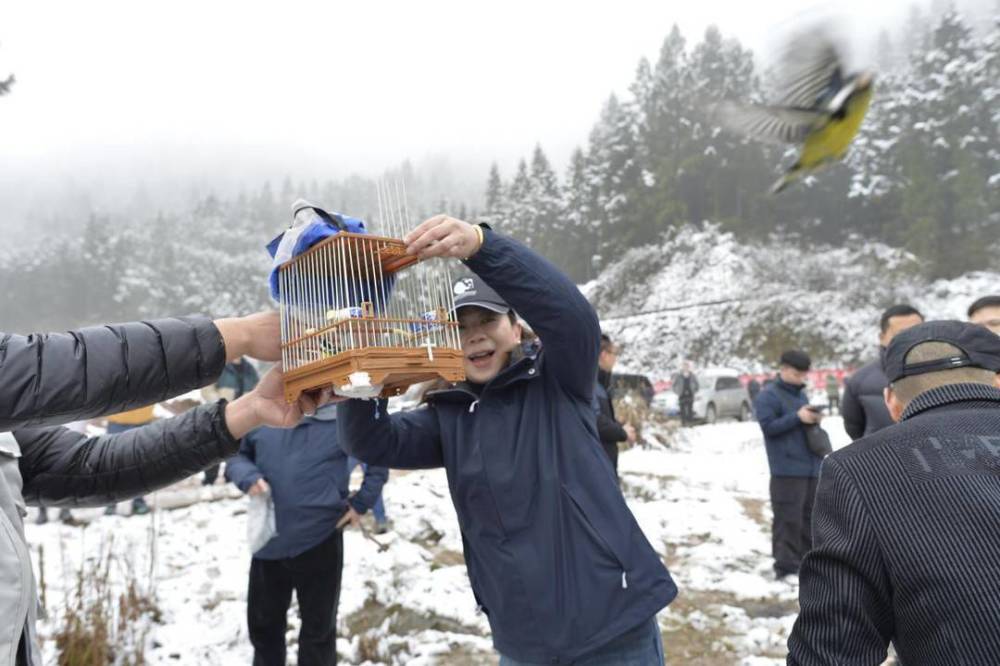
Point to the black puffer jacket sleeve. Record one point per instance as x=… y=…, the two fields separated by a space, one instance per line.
x=61 y=467
x=53 y=378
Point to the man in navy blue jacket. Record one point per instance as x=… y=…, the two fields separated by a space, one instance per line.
x=783 y=413
x=556 y=560
x=307 y=475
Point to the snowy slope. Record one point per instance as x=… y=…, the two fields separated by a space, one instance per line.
x=720 y=301
x=701 y=504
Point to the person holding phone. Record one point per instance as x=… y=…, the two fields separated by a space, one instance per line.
x=783 y=412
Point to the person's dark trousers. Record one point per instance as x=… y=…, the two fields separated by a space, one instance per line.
x=315 y=577
x=791 y=530
x=834 y=401
x=211 y=474
x=687 y=410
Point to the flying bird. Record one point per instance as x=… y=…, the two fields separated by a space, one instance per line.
x=820 y=109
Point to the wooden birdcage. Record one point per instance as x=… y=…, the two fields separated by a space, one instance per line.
x=357 y=311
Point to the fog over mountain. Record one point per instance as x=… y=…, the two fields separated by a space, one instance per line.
x=118 y=106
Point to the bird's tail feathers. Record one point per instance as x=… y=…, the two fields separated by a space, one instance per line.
x=786 y=179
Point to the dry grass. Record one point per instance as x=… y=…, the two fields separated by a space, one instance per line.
x=754 y=509
x=374 y=620
x=632 y=408
x=695 y=631
x=101 y=627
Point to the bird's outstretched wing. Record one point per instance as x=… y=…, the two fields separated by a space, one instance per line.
x=773 y=124
x=811 y=71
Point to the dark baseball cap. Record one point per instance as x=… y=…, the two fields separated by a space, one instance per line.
x=796 y=359
x=473 y=291
x=979 y=347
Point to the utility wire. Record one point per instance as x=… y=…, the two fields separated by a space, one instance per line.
x=688 y=306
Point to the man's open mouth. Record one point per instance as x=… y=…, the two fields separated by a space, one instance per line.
x=481 y=358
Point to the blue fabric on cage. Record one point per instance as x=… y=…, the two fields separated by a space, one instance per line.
x=322 y=225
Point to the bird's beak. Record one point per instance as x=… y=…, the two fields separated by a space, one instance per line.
x=865 y=80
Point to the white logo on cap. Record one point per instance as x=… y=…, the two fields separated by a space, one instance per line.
x=465 y=286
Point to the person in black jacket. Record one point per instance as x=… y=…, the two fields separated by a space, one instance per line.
x=862 y=405
x=48 y=379
x=608 y=428
x=906 y=549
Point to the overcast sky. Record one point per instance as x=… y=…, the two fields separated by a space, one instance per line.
x=339 y=86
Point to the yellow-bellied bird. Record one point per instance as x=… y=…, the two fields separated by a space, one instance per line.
x=820 y=109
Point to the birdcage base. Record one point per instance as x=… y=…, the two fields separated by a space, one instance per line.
x=394 y=368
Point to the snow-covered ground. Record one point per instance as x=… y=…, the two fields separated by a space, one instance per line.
x=702 y=504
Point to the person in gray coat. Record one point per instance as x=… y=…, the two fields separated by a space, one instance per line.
x=862 y=405
x=49 y=379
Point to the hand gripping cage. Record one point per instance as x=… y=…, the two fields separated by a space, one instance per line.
x=361 y=315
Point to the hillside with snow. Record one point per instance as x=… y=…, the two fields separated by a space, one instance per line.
x=704 y=294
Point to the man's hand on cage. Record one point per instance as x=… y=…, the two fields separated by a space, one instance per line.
x=257 y=336
x=443 y=236
x=265 y=405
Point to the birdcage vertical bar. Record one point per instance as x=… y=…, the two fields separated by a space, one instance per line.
x=286 y=304
x=438 y=304
x=383 y=226
x=326 y=340
x=374 y=288
x=352 y=278
x=282 y=311
x=450 y=299
x=314 y=286
x=348 y=340
x=306 y=299
x=405 y=209
x=294 y=300
x=387 y=299
x=293 y=314
x=358 y=292
x=361 y=266
x=335 y=297
x=413 y=300
x=303 y=308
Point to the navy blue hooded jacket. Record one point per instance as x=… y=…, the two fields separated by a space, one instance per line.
x=788 y=453
x=309 y=478
x=555 y=558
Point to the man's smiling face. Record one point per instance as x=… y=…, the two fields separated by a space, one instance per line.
x=487 y=340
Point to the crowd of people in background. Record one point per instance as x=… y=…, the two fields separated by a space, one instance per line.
x=886 y=535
